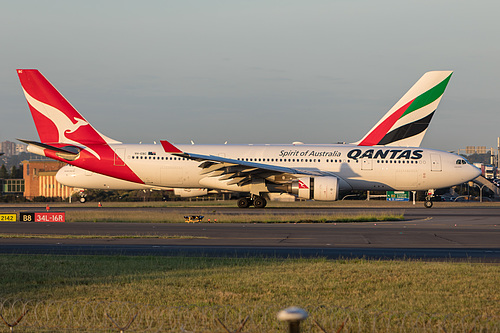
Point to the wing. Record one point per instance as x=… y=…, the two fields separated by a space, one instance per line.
x=239 y=172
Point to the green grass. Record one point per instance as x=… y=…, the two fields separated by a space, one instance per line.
x=393 y=295
x=172 y=217
x=458 y=288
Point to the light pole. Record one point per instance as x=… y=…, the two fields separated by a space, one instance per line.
x=480 y=191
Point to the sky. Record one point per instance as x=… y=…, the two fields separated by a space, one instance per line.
x=253 y=71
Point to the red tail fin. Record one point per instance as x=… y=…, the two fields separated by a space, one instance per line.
x=66 y=136
x=56 y=120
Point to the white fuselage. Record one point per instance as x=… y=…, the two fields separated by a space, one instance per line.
x=356 y=167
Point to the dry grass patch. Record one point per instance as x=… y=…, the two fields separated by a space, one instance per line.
x=173 y=217
x=56 y=236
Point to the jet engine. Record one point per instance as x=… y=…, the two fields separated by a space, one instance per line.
x=317 y=188
x=190 y=192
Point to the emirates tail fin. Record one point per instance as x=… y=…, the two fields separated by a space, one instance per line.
x=406 y=123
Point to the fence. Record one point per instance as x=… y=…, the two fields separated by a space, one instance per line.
x=109 y=316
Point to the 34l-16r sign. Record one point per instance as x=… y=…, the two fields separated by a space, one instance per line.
x=42 y=217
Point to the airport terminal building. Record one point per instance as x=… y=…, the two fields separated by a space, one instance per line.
x=40 y=180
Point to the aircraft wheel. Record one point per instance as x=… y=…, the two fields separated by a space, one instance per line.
x=83 y=199
x=259 y=202
x=244 y=203
x=428 y=203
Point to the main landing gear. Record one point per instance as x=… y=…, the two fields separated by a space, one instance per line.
x=256 y=201
x=428 y=199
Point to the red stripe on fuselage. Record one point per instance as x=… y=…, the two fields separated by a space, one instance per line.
x=106 y=165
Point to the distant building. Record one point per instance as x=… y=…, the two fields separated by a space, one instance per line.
x=21 y=148
x=8 y=148
x=481 y=150
x=40 y=180
x=469 y=150
x=11 y=186
x=12 y=148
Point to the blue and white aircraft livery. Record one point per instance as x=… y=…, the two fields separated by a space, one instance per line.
x=388 y=157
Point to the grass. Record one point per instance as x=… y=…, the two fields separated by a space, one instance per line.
x=271 y=204
x=56 y=236
x=462 y=292
x=458 y=288
x=172 y=217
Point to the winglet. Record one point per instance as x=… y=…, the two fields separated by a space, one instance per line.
x=170 y=148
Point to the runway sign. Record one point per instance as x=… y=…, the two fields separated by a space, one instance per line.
x=8 y=217
x=398 y=196
x=42 y=217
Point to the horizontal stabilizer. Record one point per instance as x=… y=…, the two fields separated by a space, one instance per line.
x=66 y=150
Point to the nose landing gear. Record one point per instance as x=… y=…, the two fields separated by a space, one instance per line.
x=428 y=199
x=428 y=203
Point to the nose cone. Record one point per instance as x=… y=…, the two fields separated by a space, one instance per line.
x=472 y=172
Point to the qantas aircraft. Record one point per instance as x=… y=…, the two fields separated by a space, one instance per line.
x=409 y=131
x=386 y=158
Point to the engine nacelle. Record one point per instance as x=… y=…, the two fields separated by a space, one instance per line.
x=190 y=192
x=317 y=188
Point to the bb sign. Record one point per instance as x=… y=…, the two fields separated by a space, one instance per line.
x=42 y=217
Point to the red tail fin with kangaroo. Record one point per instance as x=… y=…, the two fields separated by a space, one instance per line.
x=56 y=120
x=64 y=133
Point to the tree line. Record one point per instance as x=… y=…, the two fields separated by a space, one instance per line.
x=16 y=172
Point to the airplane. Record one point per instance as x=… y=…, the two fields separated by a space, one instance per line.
x=387 y=158
x=408 y=131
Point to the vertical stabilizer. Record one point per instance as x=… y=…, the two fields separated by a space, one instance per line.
x=56 y=120
x=64 y=133
x=406 y=123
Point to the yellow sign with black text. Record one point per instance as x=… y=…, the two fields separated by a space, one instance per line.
x=8 y=217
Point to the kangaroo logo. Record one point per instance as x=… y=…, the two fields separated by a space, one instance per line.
x=62 y=122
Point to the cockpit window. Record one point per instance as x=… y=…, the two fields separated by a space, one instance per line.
x=460 y=161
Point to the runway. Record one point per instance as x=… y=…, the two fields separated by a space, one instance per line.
x=438 y=233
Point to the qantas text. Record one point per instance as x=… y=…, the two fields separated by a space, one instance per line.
x=386 y=154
